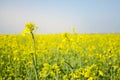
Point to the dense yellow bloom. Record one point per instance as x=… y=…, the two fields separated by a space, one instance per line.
x=60 y=56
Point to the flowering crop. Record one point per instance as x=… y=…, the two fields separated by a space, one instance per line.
x=60 y=56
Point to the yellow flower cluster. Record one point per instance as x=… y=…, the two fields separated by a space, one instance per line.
x=49 y=70
x=29 y=27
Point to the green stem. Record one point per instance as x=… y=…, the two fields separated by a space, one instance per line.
x=35 y=59
x=34 y=56
x=69 y=65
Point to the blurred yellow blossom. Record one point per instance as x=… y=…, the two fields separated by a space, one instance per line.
x=101 y=73
x=29 y=27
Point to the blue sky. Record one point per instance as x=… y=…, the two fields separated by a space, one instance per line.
x=56 y=16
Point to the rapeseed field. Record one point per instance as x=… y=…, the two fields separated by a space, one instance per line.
x=62 y=56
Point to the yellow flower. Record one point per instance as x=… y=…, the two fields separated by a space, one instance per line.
x=101 y=73
x=115 y=67
x=16 y=58
x=46 y=65
x=29 y=27
x=29 y=62
x=52 y=73
x=43 y=73
x=90 y=78
x=87 y=74
x=55 y=66
x=65 y=77
x=75 y=75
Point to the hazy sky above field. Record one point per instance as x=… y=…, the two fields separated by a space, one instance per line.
x=54 y=16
